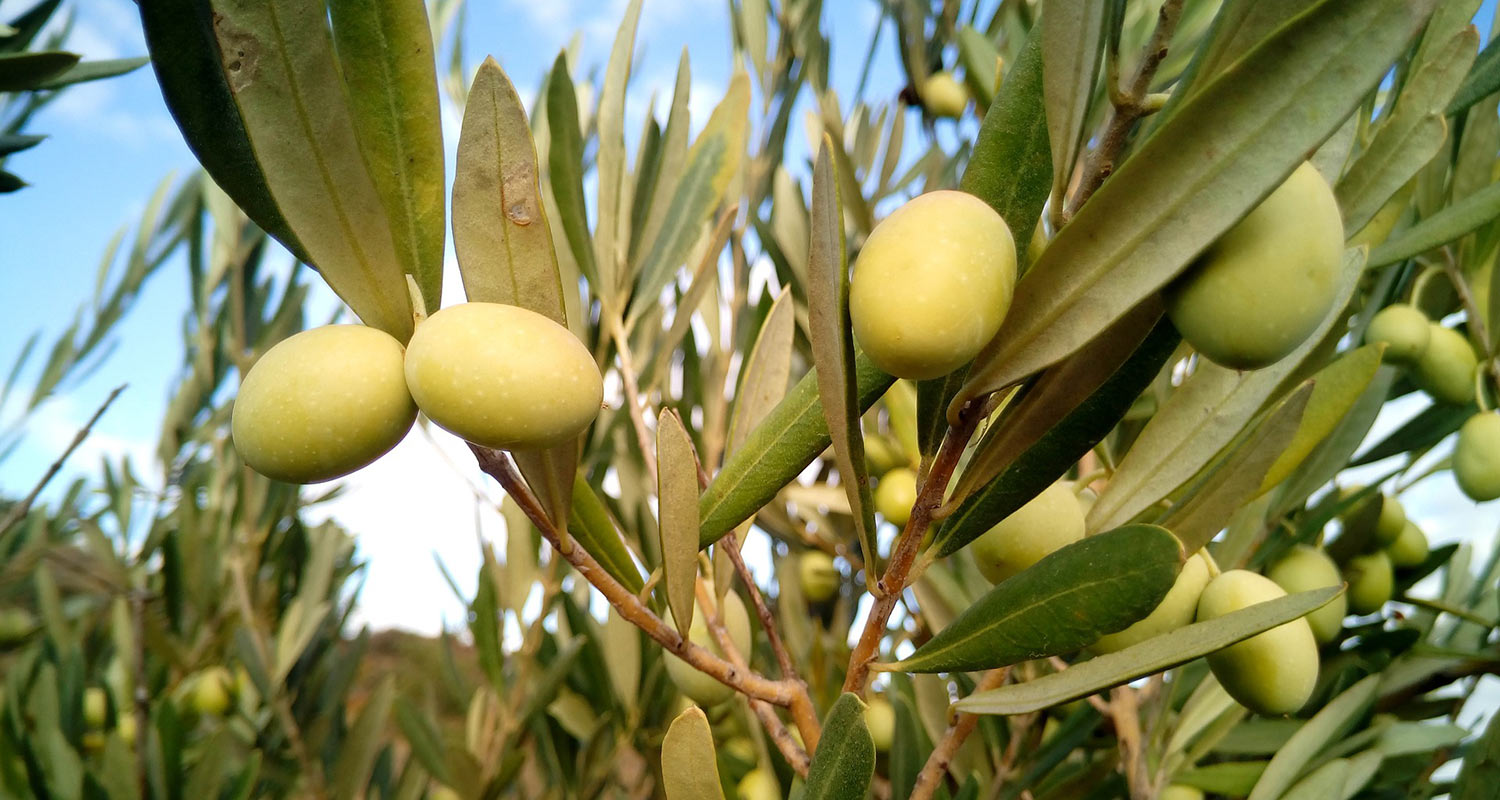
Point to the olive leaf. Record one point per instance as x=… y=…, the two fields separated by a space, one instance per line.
x=982 y=65
x=844 y=763
x=1337 y=387
x=677 y=498
x=1072 y=39
x=689 y=766
x=590 y=522
x=833 y=343
x=279 y=63
x=1450 y=224
x=1065 y=602
x=1326 y=727
x=1145 y=658
x=1225 y=148
x=609 y=167
x=565 y=168
x=1481 y=768
x=385 y=55
x=673 y=156
x=1482 y=81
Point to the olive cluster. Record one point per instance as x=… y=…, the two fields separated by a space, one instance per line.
x=328 y=401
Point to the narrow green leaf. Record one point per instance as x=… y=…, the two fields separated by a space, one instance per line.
x=689 y=767
x=1326 y=727
x=1410 y=137
x=1482 y=81
x=1480 y=773
x=185 y=56
x=833 y=343
x=86 y=71
x=910 y=747
x=844 y=763
x=20 y=72
x=1052 y=428
x=1146 y=658
x=565 y=168
x=278 y=57
x=767 y=369
x=1448 y=225
x=1337 y=387
x=622 y=641
x=592 y=526
x=1225 y=149
x=1430 y=426
x=357 y=752
x=27 y=25
x=777 y=451
x=1230 y=778
x=674 y=153
x=1065 y=602
x=500 y=232
x=1072 y=42
x=10 y=144
x=610 y=162
x=981 y=60
x=677 y=498
x=385 y=55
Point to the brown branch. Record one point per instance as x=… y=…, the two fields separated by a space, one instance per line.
x=19 y=511
x=731 y=545
x=1127 y=106
x=963 y=724
x=930 y=495
x=629 y=379
x=1125 y=711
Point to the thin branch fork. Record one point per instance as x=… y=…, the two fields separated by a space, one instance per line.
x=958 y=731
x=21 y=509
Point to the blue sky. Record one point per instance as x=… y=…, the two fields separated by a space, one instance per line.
x=111 y=143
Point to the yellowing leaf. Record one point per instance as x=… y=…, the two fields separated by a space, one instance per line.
x=677 y=498
x=1336 y=387
x=689 y=769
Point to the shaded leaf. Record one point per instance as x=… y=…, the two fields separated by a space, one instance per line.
x=677 y=496
x=351 y=774
x=1482 y=81
x=86 y=71
x=1326 y=727
x=1480 y=773
x=21 y=72
x=565 y=168
x=1071 y=51
x=689 y=769
x=844 y=763
x=590 y=523
x=1424 y=430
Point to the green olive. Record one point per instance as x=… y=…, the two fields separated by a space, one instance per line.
x=126 y=728
x=1270 y=673
x=323 y=403
x=702 y=688
x=880 y=718
x=1392 y=520
x=895 y=495
x=739 y=749
x=1050 y=520
x=95 y=707
x=211 y=691
x=444 y=793
x=882 y=455
x=15 y=625
x=944 y=96
x=502 y=376
x=1476 y=457
x=1403 y=329
x=1259 y=291
x=1306 y=568
x=1446 y=368
x=1410 y=548
x=758 y=784
x=1371 y=582
x=820 y=578
x=932 y=284
x=1178 y=791
x=1174 y=611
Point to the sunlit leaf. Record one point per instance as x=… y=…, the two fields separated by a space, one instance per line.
x=677 y=495
x=1071 y=51
x=610 y=162
x=1326 y=727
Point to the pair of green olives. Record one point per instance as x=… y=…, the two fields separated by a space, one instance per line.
x=328 y=401
x=1439 y=360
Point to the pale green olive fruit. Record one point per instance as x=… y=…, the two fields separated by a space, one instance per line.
x=1446 y=368
x=702 y=688
x=1392 y=520
x=444 y=793
x=1476 y=457
x=93 y=740
x=758 y=784
x=882 y=455
x=1049 y=521
x=820 y=578
x=1403 y=329
x=944 y=96
x=15 y=625
x=323 y=403
x=95 y=707
x=211 y=692
x=895 y=495
x=1178 y=791
x=740 y=749
x=1174 y=611
x=1259 y=291
x=1410 y=548
x=1271 y=673
x=932 y=284
x=1304 y=569
x=126 y=728
x=1371 y=579
x=502 y=376
x=880 y=718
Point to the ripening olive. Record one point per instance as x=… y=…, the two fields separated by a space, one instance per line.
x=323 y=403
x=1476 y=457
x=1178 y=791
x=701 y=687
x=1446 y=368
x=1410 y=548
x=502 y=376
x=1371 y=582
x=820 y=578
x=895 y=495
x=1392 y=520
x=1270 y=673
x=210 y=694
x=95 y=707
x=944 y=96
x=1403 y=329
x=1304 y=569
x=880 y=718
x=444 y=793
x=1174 y=611
x=1050 y=520
x=758 y=784
x=15 y=625
x=932 y=284
x=1255 y=294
